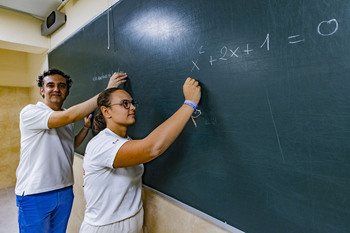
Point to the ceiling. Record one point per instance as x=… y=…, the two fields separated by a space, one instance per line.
x=37 y=8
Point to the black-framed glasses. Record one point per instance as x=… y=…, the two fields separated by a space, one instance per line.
x=126 y=103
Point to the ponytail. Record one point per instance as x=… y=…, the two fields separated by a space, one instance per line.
x=99 y=122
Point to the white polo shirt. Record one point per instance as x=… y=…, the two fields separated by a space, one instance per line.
x=111 y=194
x=46 y=155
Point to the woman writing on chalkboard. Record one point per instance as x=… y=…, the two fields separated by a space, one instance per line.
x=113 y=163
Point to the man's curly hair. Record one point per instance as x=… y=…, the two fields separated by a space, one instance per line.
x=40 y=80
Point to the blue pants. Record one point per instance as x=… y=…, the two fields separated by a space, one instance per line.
x=45 y=212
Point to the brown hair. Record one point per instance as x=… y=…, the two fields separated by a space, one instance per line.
x=103 y=100
x=40 y=80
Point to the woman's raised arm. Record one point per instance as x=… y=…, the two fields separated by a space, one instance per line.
x=137 y=152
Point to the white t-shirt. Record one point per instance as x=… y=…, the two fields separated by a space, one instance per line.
x=46 y=155
x=111 y=194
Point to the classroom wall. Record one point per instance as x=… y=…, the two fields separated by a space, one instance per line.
x=22 y=58
x=12 y=100
x=21 y=32
x=16 y=91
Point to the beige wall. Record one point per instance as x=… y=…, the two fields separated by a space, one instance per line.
x=12 y=100
x=162 y=215
x=22 y=58
x=21 y=32
x=16 y=90
x=20 y=69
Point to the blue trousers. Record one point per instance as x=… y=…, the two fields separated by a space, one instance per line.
x=45 y=212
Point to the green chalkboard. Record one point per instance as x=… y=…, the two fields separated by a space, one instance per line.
x=271 y=152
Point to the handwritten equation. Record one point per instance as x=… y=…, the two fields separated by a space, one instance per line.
x=104 y=76
x=101 y=77
x=324 y=29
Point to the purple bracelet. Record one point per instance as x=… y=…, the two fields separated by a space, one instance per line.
x=192 y=104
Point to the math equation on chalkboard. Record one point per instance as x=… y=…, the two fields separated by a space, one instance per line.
x=325 y=28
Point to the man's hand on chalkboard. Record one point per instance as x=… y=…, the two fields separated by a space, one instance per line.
x=117 y=79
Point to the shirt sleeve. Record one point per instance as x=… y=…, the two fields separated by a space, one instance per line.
x=101 y=153
x=35 y=118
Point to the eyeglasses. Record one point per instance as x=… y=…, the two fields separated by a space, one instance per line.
x=126 y=103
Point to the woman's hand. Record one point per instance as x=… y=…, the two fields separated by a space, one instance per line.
x=192 y=90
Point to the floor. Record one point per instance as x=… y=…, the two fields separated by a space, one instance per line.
x=8 y=211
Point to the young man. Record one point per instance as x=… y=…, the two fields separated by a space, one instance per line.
x=44 y=174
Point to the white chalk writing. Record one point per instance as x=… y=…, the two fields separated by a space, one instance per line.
x=324 y=28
